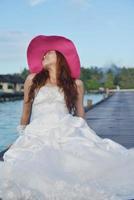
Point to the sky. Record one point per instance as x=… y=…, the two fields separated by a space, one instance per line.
x=102 y=30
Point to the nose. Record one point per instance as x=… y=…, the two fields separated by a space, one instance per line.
x=49 y=52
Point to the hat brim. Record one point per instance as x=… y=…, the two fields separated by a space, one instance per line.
x=41 y=44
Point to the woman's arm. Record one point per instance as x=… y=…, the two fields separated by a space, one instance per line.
x=79 y=105
x=26 y=112
x=25 y=117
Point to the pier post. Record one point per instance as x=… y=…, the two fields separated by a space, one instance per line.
x=89 y=103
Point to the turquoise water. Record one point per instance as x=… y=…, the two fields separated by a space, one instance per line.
x=10 y=114
x=94 y=97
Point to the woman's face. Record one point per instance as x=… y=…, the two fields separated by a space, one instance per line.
x=50 y=58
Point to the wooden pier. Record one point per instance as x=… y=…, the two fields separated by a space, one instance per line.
x=114 y=118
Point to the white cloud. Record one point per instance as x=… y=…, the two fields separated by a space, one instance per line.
x=36 y=2
x=76 y=2
x=13 y=46
x=81 y=2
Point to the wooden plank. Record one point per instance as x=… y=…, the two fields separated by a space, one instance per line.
x=114 y=118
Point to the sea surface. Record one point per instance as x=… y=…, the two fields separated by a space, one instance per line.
x=10 y=114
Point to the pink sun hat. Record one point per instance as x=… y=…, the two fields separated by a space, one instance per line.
x=39 y=46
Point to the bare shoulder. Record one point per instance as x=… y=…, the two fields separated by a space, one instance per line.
x=27 y=85
x=29 y=78
x=80 y=85
x=79 y=82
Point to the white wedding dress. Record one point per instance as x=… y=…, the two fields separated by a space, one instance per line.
x=59 y=157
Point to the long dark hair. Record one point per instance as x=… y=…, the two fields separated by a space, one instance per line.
x=64 y=81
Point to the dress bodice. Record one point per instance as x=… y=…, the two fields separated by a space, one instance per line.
x=49 y=100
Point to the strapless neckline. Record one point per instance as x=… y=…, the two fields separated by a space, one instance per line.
x=50 y=85
x=47 y=86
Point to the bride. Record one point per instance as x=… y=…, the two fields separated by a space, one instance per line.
x=57 y=156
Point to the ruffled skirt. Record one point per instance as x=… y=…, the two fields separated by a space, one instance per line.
x=64 y=159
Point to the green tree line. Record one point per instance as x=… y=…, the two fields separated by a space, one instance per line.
x=95 y=77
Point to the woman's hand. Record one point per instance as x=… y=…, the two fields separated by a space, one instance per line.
x=20 y=129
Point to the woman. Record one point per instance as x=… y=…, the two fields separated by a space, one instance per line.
x=57 y=155
x=54 y=62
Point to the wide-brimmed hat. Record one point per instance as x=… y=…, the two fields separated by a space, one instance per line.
x=41 y=44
